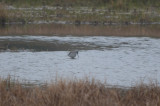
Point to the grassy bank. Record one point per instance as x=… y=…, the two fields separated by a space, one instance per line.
x=110 y=3
x=112 y=12
x=77 y=93
x=82 y=30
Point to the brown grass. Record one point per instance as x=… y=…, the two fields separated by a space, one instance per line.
x=82 y=30
x=77 y=93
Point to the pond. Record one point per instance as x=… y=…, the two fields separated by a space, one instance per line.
x=123 y=61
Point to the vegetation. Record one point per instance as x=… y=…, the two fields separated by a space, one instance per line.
x=77 y=93
x=106 y=12
x=3 y=15
x=112 y=3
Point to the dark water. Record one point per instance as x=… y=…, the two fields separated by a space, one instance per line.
x=52 y=43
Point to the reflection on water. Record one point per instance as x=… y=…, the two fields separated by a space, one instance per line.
x=82 y=30
x=119 y=60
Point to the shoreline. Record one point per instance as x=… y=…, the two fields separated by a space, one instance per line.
x=94 y=16
x=82 y=30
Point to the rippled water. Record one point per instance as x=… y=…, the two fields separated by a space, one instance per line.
x=119 y=60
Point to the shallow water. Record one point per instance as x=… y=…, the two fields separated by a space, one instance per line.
x=122 y=61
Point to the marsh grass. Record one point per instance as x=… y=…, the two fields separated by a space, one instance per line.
x=77 y=93
x=88 y=14
x=101 y=16
x=110 y=3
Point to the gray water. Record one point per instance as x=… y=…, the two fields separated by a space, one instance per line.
x=123 y=61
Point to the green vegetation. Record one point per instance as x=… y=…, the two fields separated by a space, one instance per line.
x=96 y=12
x=77 y=93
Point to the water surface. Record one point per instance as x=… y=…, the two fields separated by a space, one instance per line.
x=120 y=61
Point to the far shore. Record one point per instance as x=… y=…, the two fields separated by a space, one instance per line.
x=82 y=30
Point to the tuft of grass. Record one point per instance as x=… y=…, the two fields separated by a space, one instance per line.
x=77 y=93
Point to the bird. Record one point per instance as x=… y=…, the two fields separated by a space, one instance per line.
x=73 y=54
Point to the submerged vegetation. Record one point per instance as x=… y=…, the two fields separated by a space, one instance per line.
x=77 y=93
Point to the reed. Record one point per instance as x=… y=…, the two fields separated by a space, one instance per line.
x=77 y=93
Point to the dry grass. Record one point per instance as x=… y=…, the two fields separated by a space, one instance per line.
x=77 y=93
x=82 y=30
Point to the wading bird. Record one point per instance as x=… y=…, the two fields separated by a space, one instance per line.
x=73 y=54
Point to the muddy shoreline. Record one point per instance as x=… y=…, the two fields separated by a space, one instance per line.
x=82 y=30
